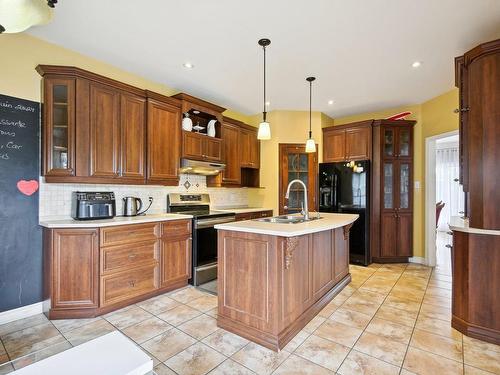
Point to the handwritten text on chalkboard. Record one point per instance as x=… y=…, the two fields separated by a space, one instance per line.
x=10 y=125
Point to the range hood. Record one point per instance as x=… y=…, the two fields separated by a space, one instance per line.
x=204 y=168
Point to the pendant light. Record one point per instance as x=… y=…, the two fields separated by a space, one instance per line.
x=310 y=144
x=264 y=129
x=19 y=15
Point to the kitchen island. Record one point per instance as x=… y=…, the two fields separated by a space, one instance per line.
x=273 y=278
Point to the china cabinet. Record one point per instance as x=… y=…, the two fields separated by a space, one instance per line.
x=392 y=198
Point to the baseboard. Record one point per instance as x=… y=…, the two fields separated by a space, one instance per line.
x=418 y=260
x=21 y=312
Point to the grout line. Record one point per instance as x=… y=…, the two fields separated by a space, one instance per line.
x=414 y=327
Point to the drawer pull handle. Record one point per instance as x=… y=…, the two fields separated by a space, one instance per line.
x=132 y=256
x=448 y=246
x=450 y=233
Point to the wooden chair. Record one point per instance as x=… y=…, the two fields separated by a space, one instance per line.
x=439 y=208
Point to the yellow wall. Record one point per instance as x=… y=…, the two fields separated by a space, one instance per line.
x=433 y=117
x=286 y=127
x=21 y=53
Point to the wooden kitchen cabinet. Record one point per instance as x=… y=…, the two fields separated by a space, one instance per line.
x=249 y=148
x=133 y=137
x=94 y=128
x=104 y=131
x=163 y=139
x=392 y=191
x=347 y=142
x=201 y=147
x=477 y=75
x=231 y=153
x=341 y=261
x=241 y=154
x=323 y=261
x=270 y=287
x=58 y=132
x=89 y=272
x=71 y=268
x=175 y=258
x=333 y=145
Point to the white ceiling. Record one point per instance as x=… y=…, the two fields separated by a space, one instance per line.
x=361 y=51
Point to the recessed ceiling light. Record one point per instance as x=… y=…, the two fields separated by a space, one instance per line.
x=416 y=64
x=268 y=104
x=330 y=102
x=188 y=65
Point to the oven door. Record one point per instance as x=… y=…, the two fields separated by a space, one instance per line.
x=205 y=249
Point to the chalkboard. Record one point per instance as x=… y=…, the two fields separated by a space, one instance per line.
x=20 y=235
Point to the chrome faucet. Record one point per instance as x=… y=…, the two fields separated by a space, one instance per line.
x=305 y=209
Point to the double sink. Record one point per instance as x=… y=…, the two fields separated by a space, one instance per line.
x=288 y=219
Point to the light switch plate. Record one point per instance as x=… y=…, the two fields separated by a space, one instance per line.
x=417 y=184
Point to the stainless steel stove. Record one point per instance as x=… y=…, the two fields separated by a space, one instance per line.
x=204 y=242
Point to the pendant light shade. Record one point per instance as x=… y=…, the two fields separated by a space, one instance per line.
x=310 y=144
x=19 y=15
x=264 y=132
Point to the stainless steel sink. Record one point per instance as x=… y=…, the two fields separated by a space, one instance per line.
x=287 y=219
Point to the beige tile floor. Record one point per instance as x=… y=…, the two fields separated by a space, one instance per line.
x=391 y=319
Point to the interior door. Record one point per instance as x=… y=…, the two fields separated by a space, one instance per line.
x=296 y=163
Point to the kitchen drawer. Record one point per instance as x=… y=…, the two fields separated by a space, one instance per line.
x=119 y=258
x=126 y=234
x=118 y=287
x=176 y=228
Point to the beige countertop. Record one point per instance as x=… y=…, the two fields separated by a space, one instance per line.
x=119 y=220
x=328 y=221
x=462 y=225
x=242 y=210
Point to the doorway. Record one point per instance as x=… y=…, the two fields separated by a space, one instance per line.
x=296 y=163
x=444 y=198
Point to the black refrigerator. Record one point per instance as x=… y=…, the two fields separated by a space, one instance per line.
x=345 y=188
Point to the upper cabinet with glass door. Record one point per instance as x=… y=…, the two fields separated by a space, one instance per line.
x=397 y=141
x=59 y=127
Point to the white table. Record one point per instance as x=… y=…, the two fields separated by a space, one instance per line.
x=111 y=354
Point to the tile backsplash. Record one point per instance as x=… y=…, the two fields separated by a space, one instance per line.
x=55 y=199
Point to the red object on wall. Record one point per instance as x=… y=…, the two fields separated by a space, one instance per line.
x=399 y=116
x=27 y=187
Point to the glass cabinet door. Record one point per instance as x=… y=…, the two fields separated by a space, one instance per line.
x=388 y=185
x=297 y=169
x=404 y=185
x=59 y=127
x=388 y=142
x=404 y=142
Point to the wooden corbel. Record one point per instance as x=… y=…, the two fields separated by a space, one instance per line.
x=290 y=245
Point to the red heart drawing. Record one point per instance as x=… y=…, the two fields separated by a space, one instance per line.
x=27 y=187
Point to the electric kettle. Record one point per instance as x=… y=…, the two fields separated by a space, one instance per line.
x=131 y=206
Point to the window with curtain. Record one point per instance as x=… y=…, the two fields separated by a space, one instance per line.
x=448 y=190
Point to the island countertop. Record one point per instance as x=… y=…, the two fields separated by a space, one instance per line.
x=328 y=221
